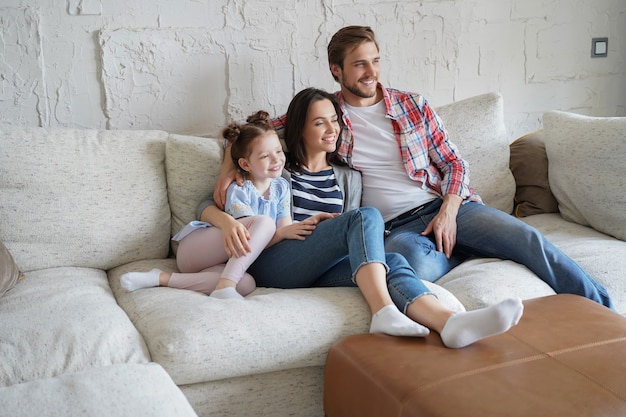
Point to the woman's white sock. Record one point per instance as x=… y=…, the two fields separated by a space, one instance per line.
x=464 y=328
x=132 y=281
x=389 y=320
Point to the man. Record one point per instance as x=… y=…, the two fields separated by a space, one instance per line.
x=414 y=175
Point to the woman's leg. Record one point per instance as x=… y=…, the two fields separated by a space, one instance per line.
x=300 y=263
x=456 y=329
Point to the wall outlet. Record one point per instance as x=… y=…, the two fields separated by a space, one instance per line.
x=599 y=47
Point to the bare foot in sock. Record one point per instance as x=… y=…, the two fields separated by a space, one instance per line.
x=227 y=293
x=389 y=320
x=463 y=329
x=132 y=281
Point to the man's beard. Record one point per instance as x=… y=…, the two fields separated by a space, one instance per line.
x=354 y=89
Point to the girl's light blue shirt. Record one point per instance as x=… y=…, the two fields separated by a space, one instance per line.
x=245 y=200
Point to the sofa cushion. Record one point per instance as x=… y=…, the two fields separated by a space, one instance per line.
x=476 y=126
x=601 y=256
x=86 y=198
x=118 y=390
x=192 y=165
x=529 y=165
x=63 y=320
x=587 y=171
x=9 y=272
x=198 y=338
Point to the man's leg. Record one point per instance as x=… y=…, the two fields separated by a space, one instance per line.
x=421 y=251
x=487 y=232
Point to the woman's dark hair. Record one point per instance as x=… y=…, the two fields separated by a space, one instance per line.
x=241 y=136
x=296 y=121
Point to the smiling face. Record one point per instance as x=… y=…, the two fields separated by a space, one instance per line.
x=359 y=76
x=321 y=128
x=265 y=158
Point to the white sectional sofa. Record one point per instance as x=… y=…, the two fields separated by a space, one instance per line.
x=78 y=208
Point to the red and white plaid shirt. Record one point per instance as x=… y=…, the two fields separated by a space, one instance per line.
x=429 y=157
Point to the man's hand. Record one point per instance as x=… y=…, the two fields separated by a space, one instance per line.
x=228 y=174
x=443 y=225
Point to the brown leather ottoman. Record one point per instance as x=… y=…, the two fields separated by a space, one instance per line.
x=566 y=357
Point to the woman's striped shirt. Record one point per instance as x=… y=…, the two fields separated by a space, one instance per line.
x=315 y=193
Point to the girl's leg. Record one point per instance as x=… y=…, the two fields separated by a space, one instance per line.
x=262 y=229
x=205 y=281
x=204 y=249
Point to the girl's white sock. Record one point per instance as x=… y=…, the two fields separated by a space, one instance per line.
x=227 y=293
x=389 y=320
x=465 y=328
x=132 y=281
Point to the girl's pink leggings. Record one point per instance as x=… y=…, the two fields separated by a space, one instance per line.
x=202 y=260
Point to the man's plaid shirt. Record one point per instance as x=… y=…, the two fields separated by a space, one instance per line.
x=429 y=157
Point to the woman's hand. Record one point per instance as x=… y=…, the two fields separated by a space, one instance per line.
x=299 y=231
x=236 y=237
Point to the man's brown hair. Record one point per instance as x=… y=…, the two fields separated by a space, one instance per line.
x=345 y=39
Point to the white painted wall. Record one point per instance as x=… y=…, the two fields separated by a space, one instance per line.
x=190 y=66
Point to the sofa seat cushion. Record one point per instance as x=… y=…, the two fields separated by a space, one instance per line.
x=117 y=390
x=586 y=169
x=601 y=256
x=82 y=197
x=63 y=320
x=197 y=338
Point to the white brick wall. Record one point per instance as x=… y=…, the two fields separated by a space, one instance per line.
x=189 y=66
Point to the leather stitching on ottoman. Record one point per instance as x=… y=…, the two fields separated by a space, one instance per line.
x=566 y=357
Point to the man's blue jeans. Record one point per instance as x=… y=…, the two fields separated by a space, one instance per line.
x=486 y=232
x=332 y=254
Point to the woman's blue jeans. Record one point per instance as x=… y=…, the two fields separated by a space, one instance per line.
x=486 y=232
x=332 y=254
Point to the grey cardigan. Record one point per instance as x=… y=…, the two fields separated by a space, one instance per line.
x=348 y=179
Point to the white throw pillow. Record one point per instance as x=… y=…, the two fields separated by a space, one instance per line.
x=586 y=169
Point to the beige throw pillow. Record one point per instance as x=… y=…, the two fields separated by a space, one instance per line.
x=587 y=171
x=9 y=272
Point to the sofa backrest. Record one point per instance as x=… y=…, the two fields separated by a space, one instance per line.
x=476 y=126
x=85 y=198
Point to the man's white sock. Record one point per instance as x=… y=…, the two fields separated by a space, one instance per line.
x=132 y=281
x=464 y=328
x=227 y=293
x=389 y=320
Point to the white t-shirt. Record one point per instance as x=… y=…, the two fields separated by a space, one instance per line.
x=376 y=153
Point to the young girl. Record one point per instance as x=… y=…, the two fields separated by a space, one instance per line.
x=261 y=205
